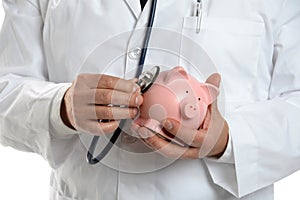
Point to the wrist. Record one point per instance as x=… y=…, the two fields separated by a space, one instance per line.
x=222 y=142
x=64 y=113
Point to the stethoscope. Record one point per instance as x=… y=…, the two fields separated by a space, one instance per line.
x=145 y=81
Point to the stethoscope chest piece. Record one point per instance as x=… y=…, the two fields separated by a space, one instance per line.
x=147 y=78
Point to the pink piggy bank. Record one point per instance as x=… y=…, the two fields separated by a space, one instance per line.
x=176 y=94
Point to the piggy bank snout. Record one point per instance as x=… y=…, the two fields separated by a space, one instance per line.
x=188 y=110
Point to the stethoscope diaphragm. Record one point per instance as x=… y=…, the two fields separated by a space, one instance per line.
x=147 y=78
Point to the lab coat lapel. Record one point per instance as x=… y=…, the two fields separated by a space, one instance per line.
x=135 y=7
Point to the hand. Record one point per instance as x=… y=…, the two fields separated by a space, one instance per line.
x=94 y=103
x=210 y=140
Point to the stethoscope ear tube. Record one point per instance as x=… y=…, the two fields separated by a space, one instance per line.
x=90 y=154
x=146 y=39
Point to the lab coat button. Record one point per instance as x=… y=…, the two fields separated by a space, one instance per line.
x=135 y=53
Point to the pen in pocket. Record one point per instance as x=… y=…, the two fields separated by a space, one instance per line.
x=198 y=14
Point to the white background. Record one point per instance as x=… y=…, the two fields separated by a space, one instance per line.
x=26 y=175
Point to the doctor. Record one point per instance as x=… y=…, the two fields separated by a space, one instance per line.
x=254 y=44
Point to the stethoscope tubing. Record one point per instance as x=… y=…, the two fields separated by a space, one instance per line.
x=90 y=157
x=146 y=39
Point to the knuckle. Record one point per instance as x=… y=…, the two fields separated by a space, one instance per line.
x=105 y=96
x=155 y=143
x=195 y=144
x=106 y=82
x=81 y=77
x=106 y=113
x=199 y=138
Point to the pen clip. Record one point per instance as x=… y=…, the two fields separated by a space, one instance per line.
x=198 y=14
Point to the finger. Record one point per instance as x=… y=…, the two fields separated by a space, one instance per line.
x=214 y=106
x=170 y=150
x=214 y=79
x=93 y=112
x=97 y=128
x=135 y=80
x=142 y=131
x=207 y=119
x=106 y=96
x=163 y=147
x=102 y=81
x=214 y=111
x=134 y=129
x=191 y=137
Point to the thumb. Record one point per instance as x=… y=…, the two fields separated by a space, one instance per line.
x=214 y=79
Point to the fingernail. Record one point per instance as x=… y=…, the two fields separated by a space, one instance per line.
x=134 y=133
x=134 y=127
x=134 y=80
x=168 y=125
x=135 y=88
x=144 y=133
x=138 y=100
x=135 y=111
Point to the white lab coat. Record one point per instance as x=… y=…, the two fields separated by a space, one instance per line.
x=256 y=48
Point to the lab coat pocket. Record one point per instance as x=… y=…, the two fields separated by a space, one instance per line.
x=233 y=45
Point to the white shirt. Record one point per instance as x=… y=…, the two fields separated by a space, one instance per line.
x=255 y=46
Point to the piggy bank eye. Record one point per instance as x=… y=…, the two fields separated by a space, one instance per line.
x=187 y=91
x=199 y=99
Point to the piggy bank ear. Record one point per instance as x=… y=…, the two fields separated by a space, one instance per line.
x=176 y=73
x=210 y=92
x=181 y=71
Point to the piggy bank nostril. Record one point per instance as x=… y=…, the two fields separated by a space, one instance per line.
x=188 y=111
